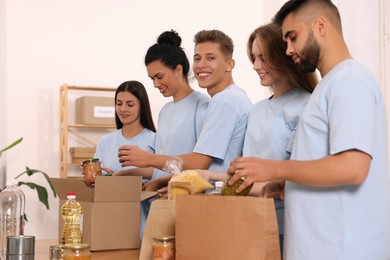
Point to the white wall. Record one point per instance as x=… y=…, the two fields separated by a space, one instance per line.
x=45 y=44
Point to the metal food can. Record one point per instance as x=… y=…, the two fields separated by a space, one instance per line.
x=55 y=252
x=163 y=248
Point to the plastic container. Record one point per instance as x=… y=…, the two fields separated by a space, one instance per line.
x=218 y=188
x=163 y=248
x=71 y=213
x=22 y=210
x=77 y=252
x=12 y=211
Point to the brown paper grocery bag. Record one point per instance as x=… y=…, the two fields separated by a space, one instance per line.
x=226 y=227
x=160 y=222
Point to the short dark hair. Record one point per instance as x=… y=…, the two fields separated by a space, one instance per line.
x=137 y=89
x=293 y=6
x=225 y=42
x=167 y=50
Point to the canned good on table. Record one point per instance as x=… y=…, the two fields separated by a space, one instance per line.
x=20 y=247
x=92 y=168
x=55 y=252
x=163 y=248
x=77 y=252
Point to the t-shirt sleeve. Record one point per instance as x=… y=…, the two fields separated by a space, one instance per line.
x=352 y=123
x=218 y=130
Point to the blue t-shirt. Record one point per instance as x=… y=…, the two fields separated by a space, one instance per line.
x=179 y=126
x=107 y=148
x=222 y=136
x=346 y=111
x=271 y=129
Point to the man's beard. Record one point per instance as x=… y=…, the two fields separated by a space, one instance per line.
x=310 y=55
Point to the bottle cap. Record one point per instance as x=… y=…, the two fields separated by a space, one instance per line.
x=71 y=194
x=11 y=182
x=218 y=184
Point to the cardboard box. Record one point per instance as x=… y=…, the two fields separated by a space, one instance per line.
x=95 y=110
x=111 y=210
x=79 y=154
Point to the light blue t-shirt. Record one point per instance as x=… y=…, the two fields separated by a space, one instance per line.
x=179 y=126
x=271 y=129
x=107 y=148
x=346 y=111
x=223 y=133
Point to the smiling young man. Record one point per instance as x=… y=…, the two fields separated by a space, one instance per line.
x=337 y=192
x=222 y=136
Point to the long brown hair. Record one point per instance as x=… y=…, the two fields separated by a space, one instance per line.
x=274 y=52
x=138 y=90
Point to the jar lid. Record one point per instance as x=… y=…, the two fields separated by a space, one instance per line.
x=78 y=246
x=164 y=238
x=93 y=160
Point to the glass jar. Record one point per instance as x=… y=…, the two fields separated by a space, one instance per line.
x=77 y=252
x=92 y=168
x=163 y=248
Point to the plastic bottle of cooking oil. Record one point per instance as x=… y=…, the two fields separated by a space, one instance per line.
x=71 y=213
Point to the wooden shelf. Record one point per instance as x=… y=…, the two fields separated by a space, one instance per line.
x=66 y=127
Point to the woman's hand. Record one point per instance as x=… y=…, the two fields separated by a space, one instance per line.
x=163 y=193
x=273 y=189
x=130 y=155
x=152 y=185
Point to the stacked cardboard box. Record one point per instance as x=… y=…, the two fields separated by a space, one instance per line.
x=95 y=110
x=79 y=154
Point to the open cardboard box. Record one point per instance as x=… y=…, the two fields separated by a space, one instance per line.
x=111 y=210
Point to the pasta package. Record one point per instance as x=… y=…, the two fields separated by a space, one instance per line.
x=199 y=184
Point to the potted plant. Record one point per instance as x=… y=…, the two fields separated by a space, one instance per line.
x=41 y=190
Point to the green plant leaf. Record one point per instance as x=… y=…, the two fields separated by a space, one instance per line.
x=30 y=172
x=41 y=191
x=11 y=145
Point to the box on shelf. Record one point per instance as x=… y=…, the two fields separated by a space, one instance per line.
x=79 y=154
x=111 y=210
x=95 y=110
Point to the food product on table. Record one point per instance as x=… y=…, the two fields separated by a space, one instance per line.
x=163 y=248
x=230 y=190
